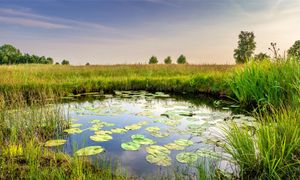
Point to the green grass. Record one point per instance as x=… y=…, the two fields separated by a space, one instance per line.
x=267 y=84
x=31 y=83
x=273 y=152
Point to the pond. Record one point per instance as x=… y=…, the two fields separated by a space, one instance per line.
x=149 y=132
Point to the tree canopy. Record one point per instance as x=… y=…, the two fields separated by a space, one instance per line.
x=246 y=47
x=168 y=60
x=181 y=60
x=65 y=62
x=11 y=55
x=294 y=51
x=153 y=60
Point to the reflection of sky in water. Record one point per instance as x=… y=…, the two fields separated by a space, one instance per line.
x=123 y=112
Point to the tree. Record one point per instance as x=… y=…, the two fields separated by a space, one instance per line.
x=261 y=56
x=49 y=60
x=65 y=62
x=168 y=60
x=246 y=47
x=275 y=50
x=181 y=59
x=87 y=64
x=294 y=51
x=9 y=54
x=153 y=60
x=57 y=63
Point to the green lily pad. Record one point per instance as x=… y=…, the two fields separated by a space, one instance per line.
x=131 y=146
x=207 y=153
x=75 y=125
x=160 y=160
x=159 y=134
x=101 y=138
x=73 y=131
x=174 y=146
x=186 y=157
x=132 y=127
x=184 y=142
x=56 y=142
x=157 y=150
x=119 y=130
x=172 y=123
x=95 y=121
x=101 y=132
x=91 y=150
x=96 y=127
x=142 y=123
x=152 y=129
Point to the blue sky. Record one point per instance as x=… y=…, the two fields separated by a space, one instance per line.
x=130 y=31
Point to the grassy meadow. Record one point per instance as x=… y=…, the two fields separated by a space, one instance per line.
x=270 y=90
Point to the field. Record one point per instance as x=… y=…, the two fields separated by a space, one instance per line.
x=270 y=91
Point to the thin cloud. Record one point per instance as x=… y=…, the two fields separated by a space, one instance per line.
x=32 y=23
x=27 y=18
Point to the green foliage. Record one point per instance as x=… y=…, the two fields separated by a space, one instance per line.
x=246 y=47
x=267 y=84
x=153 y=60
x=168 y=60
x=181 y=60
x=11 y=55
x=294 y=51
x=273 y=152
x=65 y=62
x=261 y=56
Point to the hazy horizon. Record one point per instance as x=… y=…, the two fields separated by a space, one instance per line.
x=130 y=31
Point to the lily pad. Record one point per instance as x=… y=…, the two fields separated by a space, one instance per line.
x=184 y=142
x=142 y=123
x=174 y=146
x=159 y=134
x=160 y=160
x=132 y=127
x=91 y=150
x=207 y=153
x=73 y=131
x=186 y=157
x=172 y=123
x=96 y=127
x=118 y=130
x=95 y=121
x=56 y=142
x=152 y=129
x=101 y=138
x=157 y=150
x=131 y=146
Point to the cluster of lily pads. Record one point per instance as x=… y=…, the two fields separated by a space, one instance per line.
x=200 y=124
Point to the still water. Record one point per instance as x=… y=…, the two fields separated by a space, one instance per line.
x=171 y=118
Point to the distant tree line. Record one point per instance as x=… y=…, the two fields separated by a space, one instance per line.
x=11 y=55
x=180 y=60
x=246 y=47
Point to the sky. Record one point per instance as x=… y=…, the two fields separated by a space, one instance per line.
x=131 y=31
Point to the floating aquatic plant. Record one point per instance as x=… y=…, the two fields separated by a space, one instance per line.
x=183 y=142
x=56 y=142
x=91 y=150
x=118 y=130
x=131 y=146
x=186 y=157
x=174 y=146
x=132 y=127
x=160 y=160
x=73 y=131
x=101 y=137
x=156 y=150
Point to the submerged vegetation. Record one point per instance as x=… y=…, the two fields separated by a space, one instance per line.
x=268 y=151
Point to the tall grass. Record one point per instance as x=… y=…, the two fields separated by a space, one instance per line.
x=32 y=83
x=267 y=84
x=274 y=151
